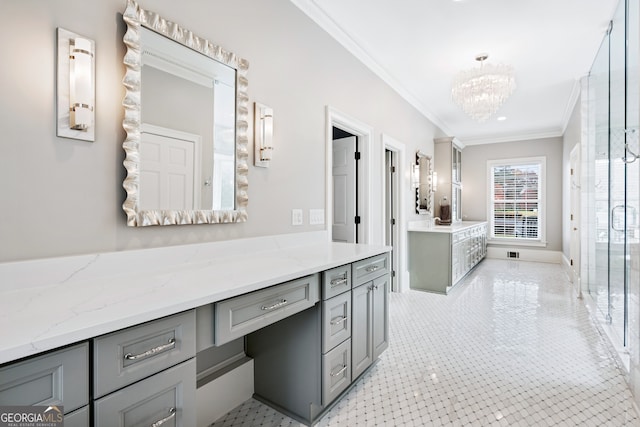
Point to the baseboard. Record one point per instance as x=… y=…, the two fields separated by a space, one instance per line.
x=224 y=393
x=524 y=254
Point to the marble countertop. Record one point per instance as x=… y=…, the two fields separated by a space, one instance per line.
x=48 y=303
x=428 y=227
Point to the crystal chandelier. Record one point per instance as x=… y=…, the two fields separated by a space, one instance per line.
x=481 y=91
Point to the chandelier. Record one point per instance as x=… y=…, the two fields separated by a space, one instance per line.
x=480 y=92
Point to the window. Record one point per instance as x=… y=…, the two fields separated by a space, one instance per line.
x=516 y=204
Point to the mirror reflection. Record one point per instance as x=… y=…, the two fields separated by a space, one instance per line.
x=424 y=184
x=185 y=162
x=186 y=122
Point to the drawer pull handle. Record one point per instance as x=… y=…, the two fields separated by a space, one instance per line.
x=168 y=345
x=274 y=306
x=336 y=374
x=372 y=268
x=338 y=282
x=172 y=413
x=338 y=320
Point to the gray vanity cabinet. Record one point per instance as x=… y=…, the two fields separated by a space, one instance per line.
x=438 y=260
x=370 y=319
x=241 y=315
x=146 y=374
x=79 y=418
x=305 y=362
x=167 y=398
x=57 y=378
x=336 y=332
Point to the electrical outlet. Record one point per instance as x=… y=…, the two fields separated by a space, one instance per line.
x=316 y=216
x=296 y=217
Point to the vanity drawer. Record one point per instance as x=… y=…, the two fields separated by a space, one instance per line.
x=336 y=281
x=126 y=356
x=336 y=321
x=169 y=396
x=336 y=372
x=238 y=316
x=368 y=269
x=79 y=418
x=58 y=378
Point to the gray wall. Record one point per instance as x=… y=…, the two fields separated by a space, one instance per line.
x=474 y=179
x=63 y=197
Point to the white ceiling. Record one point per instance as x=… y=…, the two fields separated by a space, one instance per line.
x=418 y=46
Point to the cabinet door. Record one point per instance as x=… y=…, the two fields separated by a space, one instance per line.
x=380 y=315
x=167 y=398
x=361 y=339
x=456 y=262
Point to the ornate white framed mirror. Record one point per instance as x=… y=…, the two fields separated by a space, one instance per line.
x=424 y=172
x=186 y=119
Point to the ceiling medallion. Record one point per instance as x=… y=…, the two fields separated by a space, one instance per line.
x=480 y=92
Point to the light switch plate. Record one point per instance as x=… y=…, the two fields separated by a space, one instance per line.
x=296 y=217
x=316 y=216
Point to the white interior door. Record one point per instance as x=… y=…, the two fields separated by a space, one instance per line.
x=166 y=172
x=390 y=212
x=344 y=190
x=574 y=245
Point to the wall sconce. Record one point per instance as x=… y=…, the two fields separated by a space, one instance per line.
x=434 y=182
x=263 y=135
x=75 y=86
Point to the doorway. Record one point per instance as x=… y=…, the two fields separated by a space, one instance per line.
x=344 y=227
x=390 y=210
x=395 y=187
x=574 y=219
x=361 y=199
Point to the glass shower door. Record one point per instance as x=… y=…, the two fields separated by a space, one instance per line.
x=614 y=169
x=599 y=179
x=617 y=243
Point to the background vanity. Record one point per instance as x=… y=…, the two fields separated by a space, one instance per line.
x=441 y=255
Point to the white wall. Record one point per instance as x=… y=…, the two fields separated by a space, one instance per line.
x=474 y=180
x=63 y=197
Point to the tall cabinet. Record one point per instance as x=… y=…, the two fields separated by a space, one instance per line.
x=448 y=167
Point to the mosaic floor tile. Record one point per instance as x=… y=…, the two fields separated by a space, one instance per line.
x=509 y=346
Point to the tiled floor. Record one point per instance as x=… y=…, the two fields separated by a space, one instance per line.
x=510 y=346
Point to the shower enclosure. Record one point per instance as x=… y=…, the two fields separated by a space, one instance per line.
x=613 y=168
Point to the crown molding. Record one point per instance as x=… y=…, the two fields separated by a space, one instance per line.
x=571 y=104
x=311 y=9
x=512 y=137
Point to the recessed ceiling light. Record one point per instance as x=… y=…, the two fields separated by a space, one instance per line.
x=501 y=119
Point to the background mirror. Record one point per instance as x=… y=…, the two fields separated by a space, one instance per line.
x=186 y=138
x=424 y=184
